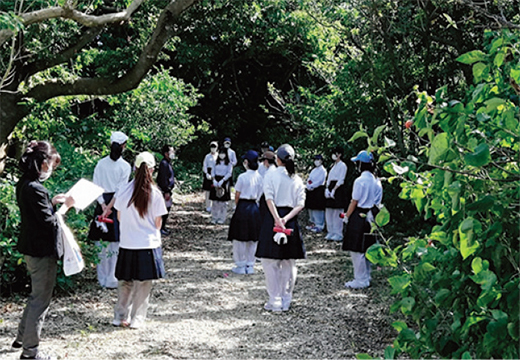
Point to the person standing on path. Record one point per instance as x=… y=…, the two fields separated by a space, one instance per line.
x=166 y=182
x=111 y=173
x=220 y=191
x=335 y=197
x=315 y=195
x=367 y=195
x=244 y=228
x=140 y=207
x=234 y=161
x=285 y=195
x=207 y=167
x=39 y=241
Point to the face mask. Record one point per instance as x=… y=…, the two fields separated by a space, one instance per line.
x=171 y=154
x=245 y=165
x=213 y=150
x=334 y=157
x=317 y=163
x=227 y=145
x=44 y=175
x=222 y=156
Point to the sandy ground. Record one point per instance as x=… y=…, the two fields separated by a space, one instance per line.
x=202 y=310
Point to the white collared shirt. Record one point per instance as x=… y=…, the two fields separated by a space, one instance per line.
x=262 y=170
x=317 y=177
x=111 y=175
x=209 y=162
x=232 y=157
x=283 y=189
x=337 y=173
x=221 y=169
x=250 y=185
x=367 y=190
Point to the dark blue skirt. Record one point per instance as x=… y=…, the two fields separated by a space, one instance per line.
x=140 y=264
x=96 y=233
x=245 y=223
x=267 y=248
x=356 y=235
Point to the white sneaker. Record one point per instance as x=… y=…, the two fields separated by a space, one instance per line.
x=241 y=270
x=309 y=227
x=250 y=270
x=275 y=306
x=286 y=304
x=328 y=236
x=355 y=284
x=337 y=237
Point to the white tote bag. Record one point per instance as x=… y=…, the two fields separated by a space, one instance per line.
x=72 y=260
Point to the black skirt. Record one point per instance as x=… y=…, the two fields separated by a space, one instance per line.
x=96 y=233
x=356 y=235
x=206 y=184
x=315 y=199
x=264 y=210
x=245 y=223
x=140 y=264
x=213 y=191
x=340 y=197
x=267 y=248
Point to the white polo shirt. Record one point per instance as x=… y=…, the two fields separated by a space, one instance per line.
x=250 y=185
x=283 y=189
x=367 y=190
x=337 y=173
x=139 y=232
x=317 y=177
x=111 y=175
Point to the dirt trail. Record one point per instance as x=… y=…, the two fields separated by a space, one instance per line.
x=203 y=310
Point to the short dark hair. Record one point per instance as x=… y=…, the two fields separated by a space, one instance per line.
x=165 y=149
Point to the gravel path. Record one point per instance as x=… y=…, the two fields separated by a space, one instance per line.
x=203 y=310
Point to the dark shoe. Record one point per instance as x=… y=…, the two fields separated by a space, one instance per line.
x=16 y=346
x=39 y=356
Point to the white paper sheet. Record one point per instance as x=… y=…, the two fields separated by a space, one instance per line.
x=84 y=192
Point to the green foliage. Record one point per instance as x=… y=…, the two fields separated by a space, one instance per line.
x=459 y=284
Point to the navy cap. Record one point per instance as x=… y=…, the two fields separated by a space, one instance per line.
x=250 y=156
x=227 y=139
x=318 y=157
x=364 y=157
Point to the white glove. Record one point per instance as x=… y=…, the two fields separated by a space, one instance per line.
x=215 y=183
x=102 y=226
x=332 y=193
x=327 y=193
x=280 y=238
x=345 y=220
x=220 y=183
x=208 y=176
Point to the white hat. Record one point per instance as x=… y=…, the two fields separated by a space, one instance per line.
x=213 y=143
x=145 y=157
x=118 y=137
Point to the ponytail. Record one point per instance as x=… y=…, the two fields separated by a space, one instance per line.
x=289 y=166
x=116 y=150
x=36 y=153
x=142 y=190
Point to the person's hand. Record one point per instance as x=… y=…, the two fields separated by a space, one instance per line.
x=215 y=183
x=279 y=222
x=327 y=193
x=59 y=199
x=106 y=212
x=332 y=193
x=220 y=183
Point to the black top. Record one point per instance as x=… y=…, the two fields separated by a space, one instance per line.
x=39 y=227
x=165 y=177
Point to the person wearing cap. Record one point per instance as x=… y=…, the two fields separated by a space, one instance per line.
x=207 y=166
x=111 y=173
x=267 y=163
x=166 y=182
x=265 y=147
x=367 y=194
x=220 y=189
x=140 y=205
x=244 y=228
x=285 y=196
x=335 y=197
x=315 y=195
x=231 y=153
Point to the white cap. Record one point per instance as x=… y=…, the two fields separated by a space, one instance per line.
x=118 y=137
x=145 y=157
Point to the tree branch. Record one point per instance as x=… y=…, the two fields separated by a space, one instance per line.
x=501 y=20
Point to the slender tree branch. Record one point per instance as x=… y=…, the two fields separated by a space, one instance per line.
x=501 y=20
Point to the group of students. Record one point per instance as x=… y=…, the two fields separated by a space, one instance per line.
x=269 y=195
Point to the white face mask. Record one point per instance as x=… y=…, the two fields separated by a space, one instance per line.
x=171 y=154
x=222 y=156
x=317 y=163
x=245 y=165
x=334 y=157
x=213 y=150
x=44 y=175
x=227 y=145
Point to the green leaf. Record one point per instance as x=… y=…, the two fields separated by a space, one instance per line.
x=482 y=205
x=399 y=325
x=399 y=283
x=363 y=356
x=476 y=265
x=389 y=352
x=479 y=69
x=357 y=135
x=441 y=296
x=383 y=217
x=515 y=74
x=466 y=355
x=466 y=232
x=494 y=103
x=377 y=131
x=472 y=57
x=480 y=157
x=438 y=148
x=499 y=59
x=407 y=305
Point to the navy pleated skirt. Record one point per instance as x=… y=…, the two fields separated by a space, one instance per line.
x=245 y=223
x=96 y=233
x=267 y=248
x=356 y=235
x=140 y=264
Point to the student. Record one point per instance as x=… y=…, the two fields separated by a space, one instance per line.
x=231 y=153
x=111 y=173
x=335 y=199
x=220 y=191
x=244 y=228
x=285 y=195
x=207 y=166
x=38 y=241
x=166 y=182
x=140 y=207
x=315 y=195
x=367 y=194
